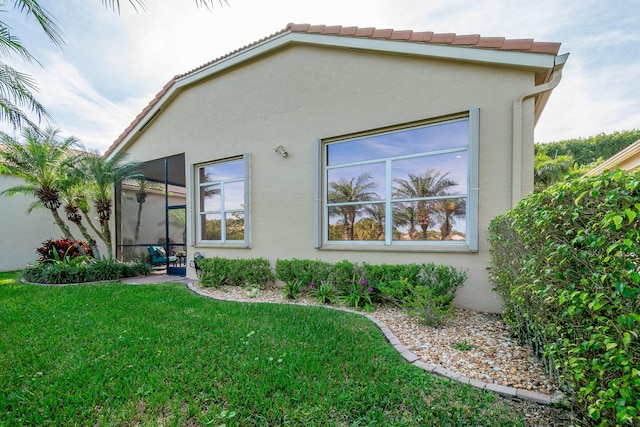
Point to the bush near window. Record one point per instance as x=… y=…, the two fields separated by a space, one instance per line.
x=218 y=271
x=566 y=261
x=304 y=270
x=426 y=290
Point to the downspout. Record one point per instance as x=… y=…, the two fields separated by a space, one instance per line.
x=516 y=159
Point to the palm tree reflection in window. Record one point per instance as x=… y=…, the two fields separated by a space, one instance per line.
x=350 y=190
x=430 y=183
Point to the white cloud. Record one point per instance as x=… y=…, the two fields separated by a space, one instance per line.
x=112 y=65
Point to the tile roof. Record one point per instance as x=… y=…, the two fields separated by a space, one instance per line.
x=471 y=40
x=425 y=37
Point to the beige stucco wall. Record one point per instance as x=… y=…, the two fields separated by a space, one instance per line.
x=300 y=94
x=22 y=233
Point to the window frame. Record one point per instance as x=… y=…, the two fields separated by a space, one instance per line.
x=223 y=242
x=470 y=244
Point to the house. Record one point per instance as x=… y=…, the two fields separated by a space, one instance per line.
x=332 y=143
x=627 y=159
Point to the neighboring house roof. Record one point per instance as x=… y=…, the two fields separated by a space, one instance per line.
x=174 y=190
x=523 y=53
x=627 y=159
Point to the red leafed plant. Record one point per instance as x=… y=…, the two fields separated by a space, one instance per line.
x=63 y=247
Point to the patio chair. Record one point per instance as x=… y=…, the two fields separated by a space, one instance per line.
x=159 y=256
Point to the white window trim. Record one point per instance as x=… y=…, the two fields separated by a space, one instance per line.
x=246 y=243
x=472 y=219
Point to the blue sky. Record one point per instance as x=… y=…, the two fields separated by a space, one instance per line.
x=112 y=65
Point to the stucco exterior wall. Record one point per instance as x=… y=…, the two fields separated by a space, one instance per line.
x=22 y=233
x=297 y=95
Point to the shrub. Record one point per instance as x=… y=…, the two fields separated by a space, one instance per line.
x=432 y=308
x=62 y=248
x=566 y=262
x=218 y=271
x=256 y=271
x=425 y=289
x=135 y=268
x=82 y=269
x=104 y=269
x=292 y=289
x=307 y=271
x=343 y=274
x=324 y=292
x=358 y=294
x=215 y=271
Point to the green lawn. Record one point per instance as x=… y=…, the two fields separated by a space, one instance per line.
x=113 y=354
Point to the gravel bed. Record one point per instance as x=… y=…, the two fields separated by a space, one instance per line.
x=476 y=345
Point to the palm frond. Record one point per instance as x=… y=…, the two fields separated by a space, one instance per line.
x=115 y=4
x=35 y=205
x=15 y=94
x=11 y=44
x=47 y=22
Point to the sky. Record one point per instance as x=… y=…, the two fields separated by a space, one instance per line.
x=112 y=64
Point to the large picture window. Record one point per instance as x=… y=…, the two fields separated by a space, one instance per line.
x=402 y=186
x=222 y=201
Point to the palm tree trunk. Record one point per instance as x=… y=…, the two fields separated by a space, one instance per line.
x=65 y=230
x=106 y=233
x=60 y=223
x=92 y=224
x=89 y=238
x=136 y=233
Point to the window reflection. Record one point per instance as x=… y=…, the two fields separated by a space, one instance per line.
x=221 y=201
x=417 y=174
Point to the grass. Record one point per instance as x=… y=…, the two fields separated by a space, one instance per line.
x=113 y=354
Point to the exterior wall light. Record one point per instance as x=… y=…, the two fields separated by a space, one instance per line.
x=281 y=150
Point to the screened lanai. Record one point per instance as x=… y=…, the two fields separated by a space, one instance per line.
x=152 y=212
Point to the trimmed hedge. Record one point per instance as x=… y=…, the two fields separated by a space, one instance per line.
x=567 y=263
x=426 y=290
x=235 y=272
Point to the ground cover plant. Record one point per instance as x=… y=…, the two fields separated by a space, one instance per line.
x=61 y=262
x=566 y=262
x=115 y=354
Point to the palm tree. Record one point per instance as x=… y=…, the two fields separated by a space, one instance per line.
x=376 y=213
x=429 y=183
x=115 y=4
x=404 y=214
x=15 y=87
x=447 y=210
x=548 y=171
x=75 y=203
x=101 y=175
x=141 y=198
x=39 y=162
x=350 y=190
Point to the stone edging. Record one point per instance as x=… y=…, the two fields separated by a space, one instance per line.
x=438 y=370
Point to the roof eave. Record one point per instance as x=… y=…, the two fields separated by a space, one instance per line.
x=526 y=60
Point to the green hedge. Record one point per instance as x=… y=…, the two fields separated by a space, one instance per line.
x=235 y=272
x=566 y=261
x=426 y=290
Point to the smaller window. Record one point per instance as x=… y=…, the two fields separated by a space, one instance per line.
x=222 y=201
